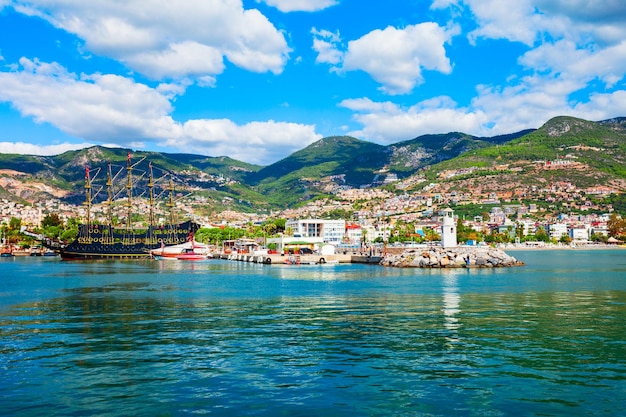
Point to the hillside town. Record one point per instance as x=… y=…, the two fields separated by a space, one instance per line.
x=555 y=214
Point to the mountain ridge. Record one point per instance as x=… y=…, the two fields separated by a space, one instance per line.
x=341 y=161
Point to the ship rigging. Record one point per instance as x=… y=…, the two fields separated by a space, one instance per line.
x=96 y=240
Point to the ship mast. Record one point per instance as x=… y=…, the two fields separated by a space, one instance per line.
x=151 y=205
x=129 y=192
x=109 y=185
x=87 y=202
x=109 y=194
x=170 y=203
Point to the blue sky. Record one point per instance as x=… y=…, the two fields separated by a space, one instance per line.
x=259 y=79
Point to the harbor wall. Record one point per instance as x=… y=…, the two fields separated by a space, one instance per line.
x=453 y=257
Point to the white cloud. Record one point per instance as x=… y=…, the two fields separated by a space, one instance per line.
x=286 y=6
x=603 y=19
x=527 y=21
x=388 y=123
x=96 y=107
x=393 y=57
x=325 y=43
x=561 y=71
x=512 y=20
x=24 y=148
x=164 y=39
x=572 y=45
x=568 y=61
x=110 y=109
x=256 y=142
x=602 y=106
x=181 y=60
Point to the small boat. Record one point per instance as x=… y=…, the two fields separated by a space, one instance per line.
x=292 y=260
x=190 y=255
x=36 y=251
x=174 y=251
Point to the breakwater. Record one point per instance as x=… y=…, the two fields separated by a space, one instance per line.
x=455 y=257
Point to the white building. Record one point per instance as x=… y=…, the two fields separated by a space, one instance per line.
x=579 y=233
x=331 y=231
x=448 y=229
x=557 y=230
x=600 y=230
x=528 y=227
x=354 y=233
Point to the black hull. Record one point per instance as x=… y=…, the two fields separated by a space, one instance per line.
x=103 y=242
x=70 y=256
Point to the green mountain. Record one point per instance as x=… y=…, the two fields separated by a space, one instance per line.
x=411 y=155
x=582 y=152
x=299 y=176
x=565 y=149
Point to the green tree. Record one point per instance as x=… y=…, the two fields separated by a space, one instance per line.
x=280 y=225
x=616 y=226
x=599 y=238
x=465 y=233
x=541 y=235
x=51 y=219
x=53 y=231
x=431 y=235
x=15 y=223
x=69 y=235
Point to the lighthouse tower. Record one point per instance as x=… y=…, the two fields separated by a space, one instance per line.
x=448 y=229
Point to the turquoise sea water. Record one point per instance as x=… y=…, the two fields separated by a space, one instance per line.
x=226 y=338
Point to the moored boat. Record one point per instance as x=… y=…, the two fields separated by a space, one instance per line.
x=190 y=255
x=98 y=241
x=106 y=242
x=171 y=252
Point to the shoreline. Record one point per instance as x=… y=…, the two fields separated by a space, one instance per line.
x=563 y=247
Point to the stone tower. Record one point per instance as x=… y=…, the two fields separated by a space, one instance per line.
x=448 y=229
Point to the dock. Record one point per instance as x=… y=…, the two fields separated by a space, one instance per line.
x=280 y=259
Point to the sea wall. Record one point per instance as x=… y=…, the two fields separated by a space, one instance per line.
x=456 y=257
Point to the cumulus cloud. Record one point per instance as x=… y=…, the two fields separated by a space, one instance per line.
x=326 y=44
x=527 y=21
x=556 y=73
x=526 y=102
x=388 y=122
x=393 y=57
x=603 y=19
x=110 y=109
x=24 y=148
x=564 y=59
x=286 y=6
x=572 y=44
x=163 y=39
x=596 y=107
x=515 y=21
x=256 y=142
x=560 y=71
x=97 y=107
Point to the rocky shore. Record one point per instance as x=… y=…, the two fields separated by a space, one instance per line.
x=455 y=257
